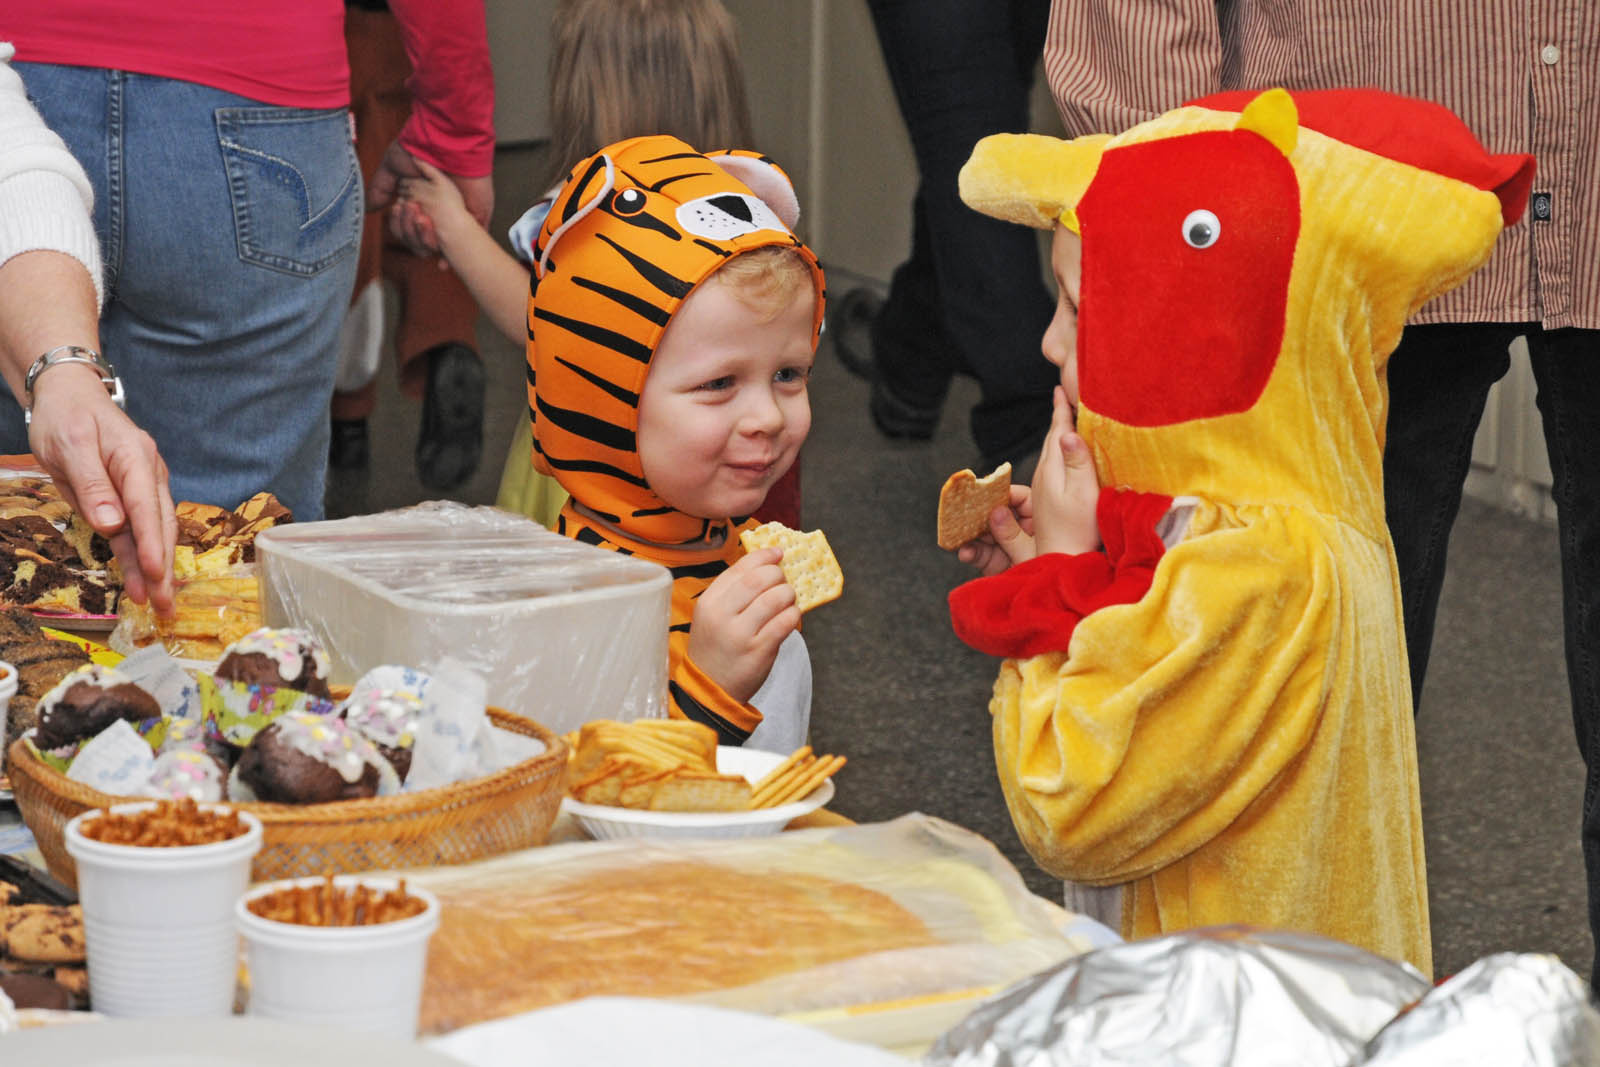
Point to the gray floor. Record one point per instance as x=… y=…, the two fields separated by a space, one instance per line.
x=1501 y=780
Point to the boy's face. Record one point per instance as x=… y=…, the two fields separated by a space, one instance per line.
x=725 y=409
x=1060 y=344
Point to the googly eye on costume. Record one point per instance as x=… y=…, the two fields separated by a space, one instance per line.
x=727 y=215
x=1201 y=228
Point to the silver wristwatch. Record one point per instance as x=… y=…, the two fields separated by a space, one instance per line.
x=72 y=354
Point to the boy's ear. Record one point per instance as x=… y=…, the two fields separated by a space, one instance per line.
x=589 y=184
x=764 y=178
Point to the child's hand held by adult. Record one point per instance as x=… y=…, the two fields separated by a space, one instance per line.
x=740 y=620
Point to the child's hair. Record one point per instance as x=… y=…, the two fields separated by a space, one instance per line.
x=626 y=68
x=766 y=278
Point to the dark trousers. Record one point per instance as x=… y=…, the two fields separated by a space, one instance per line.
x=971 y=298
x=1439 y=378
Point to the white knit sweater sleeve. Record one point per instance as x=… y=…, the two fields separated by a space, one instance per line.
x=45 y=197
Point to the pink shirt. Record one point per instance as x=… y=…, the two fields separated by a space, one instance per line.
x=284 y=52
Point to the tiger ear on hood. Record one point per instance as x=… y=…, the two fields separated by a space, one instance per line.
x=581 y=195
x=764 y=178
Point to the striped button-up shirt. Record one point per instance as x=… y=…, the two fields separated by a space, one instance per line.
x=1523 y=74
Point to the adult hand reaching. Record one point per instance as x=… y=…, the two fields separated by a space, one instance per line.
x=106 y=467
x=111 y=473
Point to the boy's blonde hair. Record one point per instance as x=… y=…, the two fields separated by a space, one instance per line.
x=766 y=278
x=627 y=68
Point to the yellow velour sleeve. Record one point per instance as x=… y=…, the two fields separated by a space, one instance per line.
x=1168 y=718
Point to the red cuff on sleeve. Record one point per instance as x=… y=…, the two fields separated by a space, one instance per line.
x=1034 y=606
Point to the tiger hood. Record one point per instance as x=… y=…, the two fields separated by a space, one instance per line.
x=630 y=235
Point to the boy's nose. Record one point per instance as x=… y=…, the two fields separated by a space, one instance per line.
x=763 y=414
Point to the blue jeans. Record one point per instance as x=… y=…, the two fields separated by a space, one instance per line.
x=230 y=232
x=1439 y=378
x=971 y=298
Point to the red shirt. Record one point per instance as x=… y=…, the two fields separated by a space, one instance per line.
x=288 y=52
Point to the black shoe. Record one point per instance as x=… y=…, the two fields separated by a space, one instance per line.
x=897 y=419
x=347 y=445
x=850 y=324
x=451 y=441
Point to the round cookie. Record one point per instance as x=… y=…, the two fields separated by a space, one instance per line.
x=85 y=702
x=279 y=658
x=301 y=758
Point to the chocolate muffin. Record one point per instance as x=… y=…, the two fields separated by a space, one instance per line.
x=301 y=758
x=86 y=702
x=388 y=718
x=279 y=658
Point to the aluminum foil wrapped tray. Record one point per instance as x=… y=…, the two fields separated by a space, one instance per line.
x=1238 y=997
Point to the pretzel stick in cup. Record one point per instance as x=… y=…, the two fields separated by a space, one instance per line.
x=813 y=776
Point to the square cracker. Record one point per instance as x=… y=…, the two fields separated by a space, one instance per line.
x=808 y=562
x=965 y=502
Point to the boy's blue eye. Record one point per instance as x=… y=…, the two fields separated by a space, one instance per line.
x=793 y=374
x=725 y=382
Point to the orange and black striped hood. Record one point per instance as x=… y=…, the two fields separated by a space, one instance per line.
x=633 y=231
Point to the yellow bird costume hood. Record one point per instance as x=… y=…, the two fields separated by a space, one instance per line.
x=1223 y=729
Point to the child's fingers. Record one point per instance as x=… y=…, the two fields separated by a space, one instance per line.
x=430 y=172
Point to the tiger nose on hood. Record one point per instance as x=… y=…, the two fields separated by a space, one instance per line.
x=727 y=215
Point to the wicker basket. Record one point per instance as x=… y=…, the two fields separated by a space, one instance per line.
x=510 y=809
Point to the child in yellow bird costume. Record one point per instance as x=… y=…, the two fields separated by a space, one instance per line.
x=1208 y=719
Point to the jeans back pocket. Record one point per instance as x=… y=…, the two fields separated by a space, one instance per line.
x=295 y=186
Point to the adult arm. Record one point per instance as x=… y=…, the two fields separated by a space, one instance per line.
x=452 y=112
x=106 y=467
x=1112 y=64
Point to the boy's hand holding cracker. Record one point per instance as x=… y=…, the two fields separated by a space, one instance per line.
x=745 y=614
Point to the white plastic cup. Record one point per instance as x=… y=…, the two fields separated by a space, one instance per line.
x=363 y=978
x=159 y=921
x=8 y=689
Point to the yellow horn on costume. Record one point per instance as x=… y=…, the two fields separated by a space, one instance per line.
x=1273 y=116
x=1031 y=178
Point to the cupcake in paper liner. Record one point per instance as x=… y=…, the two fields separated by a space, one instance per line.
x=81 y=705
x=238 y=710
x=389 y=718
x=302 y=758
x=278 y=658
x=187 y=772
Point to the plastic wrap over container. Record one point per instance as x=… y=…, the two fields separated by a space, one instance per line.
x=1216 y=997
x=563 y=632
x=806 y=922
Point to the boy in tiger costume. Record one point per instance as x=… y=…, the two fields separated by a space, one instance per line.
x=672 y=323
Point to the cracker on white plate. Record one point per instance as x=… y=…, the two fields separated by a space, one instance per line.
x=808 y=563
x=965 y=502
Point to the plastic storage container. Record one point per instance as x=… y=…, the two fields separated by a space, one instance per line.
x=563 y=632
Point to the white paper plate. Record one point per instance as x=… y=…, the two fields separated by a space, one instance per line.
x=235 y=1042
x=604 y=822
